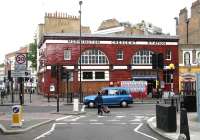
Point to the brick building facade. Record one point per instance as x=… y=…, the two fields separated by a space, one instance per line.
x=105 y=59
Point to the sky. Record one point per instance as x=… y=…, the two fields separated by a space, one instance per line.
x=20 y=18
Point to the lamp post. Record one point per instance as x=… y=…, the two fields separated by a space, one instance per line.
x=80 y=82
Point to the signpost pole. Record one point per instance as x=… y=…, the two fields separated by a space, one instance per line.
x=58 y=75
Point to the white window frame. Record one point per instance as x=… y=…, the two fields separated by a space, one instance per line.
x=120 y=55
x=93 y=56
x=139 y=59
x=67 y=54
x=168 y=55
x=190 y=52
x=106 y=76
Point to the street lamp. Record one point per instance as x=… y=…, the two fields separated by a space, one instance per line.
x=80 y=86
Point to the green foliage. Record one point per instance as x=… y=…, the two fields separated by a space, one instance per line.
x=32 y=54
x=2 y=65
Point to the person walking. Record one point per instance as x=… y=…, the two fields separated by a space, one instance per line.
x=99 y=103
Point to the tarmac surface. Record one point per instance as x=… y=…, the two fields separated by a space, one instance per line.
x=32 y=120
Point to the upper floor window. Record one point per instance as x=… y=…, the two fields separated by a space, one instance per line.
x=143 y=57
x=93 y=56
x=187 y=58
x=67 y=54
x=198 y=58
x=168 y=55
x=120 y=55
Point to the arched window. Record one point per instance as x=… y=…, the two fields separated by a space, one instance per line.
x=93 y=56
x=187 y=58
x=143 y=57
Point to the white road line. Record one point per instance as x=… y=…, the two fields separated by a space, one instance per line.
x=96 y=123
x=113 y=120
x=93 y=120
x=120 y=123
x=48 y=132
x=137 y=131
x=62 y=118
x=75 y=123
x=120 y=116
x=136 y=120
x=77 y=118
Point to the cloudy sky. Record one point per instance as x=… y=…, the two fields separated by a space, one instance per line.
x=19 y=18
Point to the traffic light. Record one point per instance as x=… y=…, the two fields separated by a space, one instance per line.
x=157 y=61
x=9 y=75
x=157 y=83
x=154 y=61
x=160 y=60
x=53 y=70
x=65 y=74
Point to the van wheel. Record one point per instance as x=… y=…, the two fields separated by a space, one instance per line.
x=124 y=104
x=91 y=104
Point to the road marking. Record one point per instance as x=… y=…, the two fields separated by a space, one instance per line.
x=119 y=116
x=77 y=118
x=93 y=120
x=120 y=123
x=96 y=123
x=75 y=123
x=113 y=120
x=137 y=131
x=62 y=118
x=48 y=132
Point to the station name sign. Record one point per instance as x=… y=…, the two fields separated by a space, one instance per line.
x=117 y=42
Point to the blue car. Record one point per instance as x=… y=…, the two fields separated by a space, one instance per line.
x=111 y=96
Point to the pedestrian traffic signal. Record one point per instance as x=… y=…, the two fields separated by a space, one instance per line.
x=65 y=74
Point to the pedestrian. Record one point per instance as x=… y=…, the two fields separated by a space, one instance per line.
x=99 y=102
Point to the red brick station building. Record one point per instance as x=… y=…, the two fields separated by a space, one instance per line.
x=105 y=59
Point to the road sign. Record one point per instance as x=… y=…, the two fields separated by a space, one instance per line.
x=20 y=61
x=22 y=73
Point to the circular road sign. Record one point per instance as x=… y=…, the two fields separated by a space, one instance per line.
x=20 y=58
x=16 y=110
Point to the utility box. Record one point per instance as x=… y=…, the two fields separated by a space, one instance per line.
x=166 y=118
x=17 y=116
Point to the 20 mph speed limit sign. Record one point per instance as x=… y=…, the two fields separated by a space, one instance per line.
x=21 y=58
x=20 y=61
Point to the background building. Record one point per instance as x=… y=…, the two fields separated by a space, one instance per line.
x=113 y=26
x=60 y=23
x=188 y=30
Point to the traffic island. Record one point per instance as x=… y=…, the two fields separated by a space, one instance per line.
x=7 y=128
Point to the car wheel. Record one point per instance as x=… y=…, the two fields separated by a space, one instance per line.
x=124 y=104
x=91 y=104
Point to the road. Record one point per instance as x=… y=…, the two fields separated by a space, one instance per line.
x=122 y=123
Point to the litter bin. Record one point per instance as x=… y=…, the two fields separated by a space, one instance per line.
x=166 y=117
x=17 y=115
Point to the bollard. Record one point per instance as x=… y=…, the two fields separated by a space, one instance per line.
x=17 y=116
x=83 y=108
x=75 y=106
x=184 y=128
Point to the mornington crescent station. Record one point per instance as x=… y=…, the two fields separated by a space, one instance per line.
x=66 y=64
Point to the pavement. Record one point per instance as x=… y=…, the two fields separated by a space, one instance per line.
x=35 y=119
x=194 y=127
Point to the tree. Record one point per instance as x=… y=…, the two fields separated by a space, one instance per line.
x=2 y=65
x=32 y=54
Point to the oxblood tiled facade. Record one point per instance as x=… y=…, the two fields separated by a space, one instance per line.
x=52 y=52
